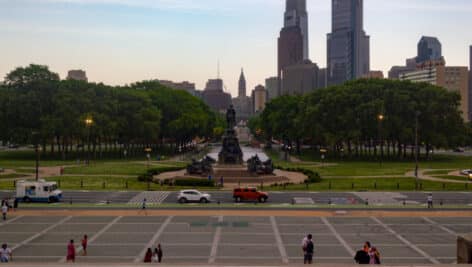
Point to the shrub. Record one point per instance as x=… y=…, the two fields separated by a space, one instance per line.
x=313 y=177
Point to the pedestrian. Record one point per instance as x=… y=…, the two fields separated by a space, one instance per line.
x=15 y=203
x=430 y=201
x=374 y=255
x=308 y=250
x=71 y=251
x=84 y=245
x=362 y=255
x=159 y=253
x=143 y=206
x=6 y=254
x=222 y=182
x=148 y=255
x=4 y=211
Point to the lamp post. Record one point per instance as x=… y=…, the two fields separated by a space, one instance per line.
x=417 y=114
x=88 y=124
x=148 y=151
x=380 y=118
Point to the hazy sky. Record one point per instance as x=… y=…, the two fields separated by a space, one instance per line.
x=122 y=41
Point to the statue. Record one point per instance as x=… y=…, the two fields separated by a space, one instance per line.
x=255 y=165
x=231 y=117
x=231 y=152
x=201 y=167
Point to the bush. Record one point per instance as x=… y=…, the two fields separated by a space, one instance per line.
x=194 y=182
x=313 y=177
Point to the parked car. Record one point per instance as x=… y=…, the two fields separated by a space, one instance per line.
x=186 y=196
x=249 y=193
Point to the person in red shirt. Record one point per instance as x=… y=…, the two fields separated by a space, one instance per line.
x=84 y=245
x=148 y=256
x=71 y=251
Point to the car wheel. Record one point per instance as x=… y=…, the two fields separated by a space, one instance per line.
x=182 y=200
x=262 y=199
x=237 y=199
x=203 y=200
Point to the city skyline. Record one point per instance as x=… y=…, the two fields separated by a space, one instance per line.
x=122 y=41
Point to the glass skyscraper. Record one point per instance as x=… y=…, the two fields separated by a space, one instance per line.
x=348 y=45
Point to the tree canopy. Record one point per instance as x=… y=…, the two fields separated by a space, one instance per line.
x=359 y=117
x=34 y=100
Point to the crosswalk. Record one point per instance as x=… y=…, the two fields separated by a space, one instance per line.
x=152 y=197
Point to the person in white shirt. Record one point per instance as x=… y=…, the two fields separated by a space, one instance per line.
x=4 y=211
x=430 y=201
x=5 y=253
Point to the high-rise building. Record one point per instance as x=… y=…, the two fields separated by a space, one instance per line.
x=78 y=75
x=272 y=87
x=396 y=71
x=290 y=46
x=296 y=15
x=348 y=54
x=322 y=82
x=300 y=79
x=215 y=97
x=454 y=79
x=429 y=49
x=242 y=85
x=259 y=93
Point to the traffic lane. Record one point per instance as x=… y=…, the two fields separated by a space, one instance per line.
x=283 y=197
x=98 y=197
x=445 y=197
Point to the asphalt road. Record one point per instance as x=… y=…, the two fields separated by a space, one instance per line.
x=123 y=197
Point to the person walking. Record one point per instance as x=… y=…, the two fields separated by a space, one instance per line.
x=362 y=255
x=148 y=255
x=71 y=251
x=159 y=253
x=374 y=255
x=309 y=249
x=4 y=210
x=84 y=245
x=6 y=254
x=430 y=201
x=143 y=206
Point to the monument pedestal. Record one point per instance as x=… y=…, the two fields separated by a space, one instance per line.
x=231 y=152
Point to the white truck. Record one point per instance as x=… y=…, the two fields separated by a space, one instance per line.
x=37 y=191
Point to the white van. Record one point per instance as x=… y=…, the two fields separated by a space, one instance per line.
x=37 y=191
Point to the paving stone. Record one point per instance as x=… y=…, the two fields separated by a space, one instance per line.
x=320 y=251
x=248 y=251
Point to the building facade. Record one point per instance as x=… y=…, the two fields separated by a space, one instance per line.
x=242 y=104
x=396 y=71
x=454 y=79
x=272 y=88
x=260 y=99
x=374 y=74
x=77 y=75
x=290 y=48
x=184 y=86
x=300 y=79
x=429 y=49
x=348 y=45
x=296 y=15
x=242 y=85
x=215 y=97
x=470 y=83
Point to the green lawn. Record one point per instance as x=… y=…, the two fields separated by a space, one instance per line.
x=117 y=168
x=453 y=177
x=11 y=176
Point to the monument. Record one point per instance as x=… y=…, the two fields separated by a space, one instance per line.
x=231 y=152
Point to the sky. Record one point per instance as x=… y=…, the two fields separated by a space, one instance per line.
x=119 y=42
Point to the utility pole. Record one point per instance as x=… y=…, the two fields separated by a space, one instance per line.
x=416 y=146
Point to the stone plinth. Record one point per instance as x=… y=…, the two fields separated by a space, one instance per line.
x=231 y=152
x=464 y=249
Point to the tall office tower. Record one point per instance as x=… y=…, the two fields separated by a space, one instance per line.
x=242 y=85
x=429 y=49
x=290 y=46
x=348 y=45
x=296 y=15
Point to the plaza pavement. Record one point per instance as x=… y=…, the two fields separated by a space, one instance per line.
x=244 y=238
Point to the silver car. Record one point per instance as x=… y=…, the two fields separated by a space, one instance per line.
x=186 y=196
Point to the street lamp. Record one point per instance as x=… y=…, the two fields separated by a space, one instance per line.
x=88 y=124
x=380 y=118
x=36 y=150
x=148 y=151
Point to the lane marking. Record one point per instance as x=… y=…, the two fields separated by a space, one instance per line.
x=153 y=240
x=12 y=220
x=26 y=241
x=216 y=241
x=91 y=240
x=442 y=227
x=408 y=243
x=338 y=236
x=278 y=239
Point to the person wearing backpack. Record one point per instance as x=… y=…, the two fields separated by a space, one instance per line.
x=309 y=250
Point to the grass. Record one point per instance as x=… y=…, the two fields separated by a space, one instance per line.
x=453 y=177
x=117 y=168
x=12 y=176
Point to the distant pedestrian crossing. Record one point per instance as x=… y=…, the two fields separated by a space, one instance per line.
x=152 y=197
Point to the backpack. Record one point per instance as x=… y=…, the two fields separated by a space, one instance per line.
x=310 y=247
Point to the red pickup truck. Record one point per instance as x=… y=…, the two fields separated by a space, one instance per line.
x=249 y=193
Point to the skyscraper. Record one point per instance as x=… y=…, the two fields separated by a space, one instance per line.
x=470 y=83
x=242 y=85
x=429 y=49
x=296 y=15
x=348 y=45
